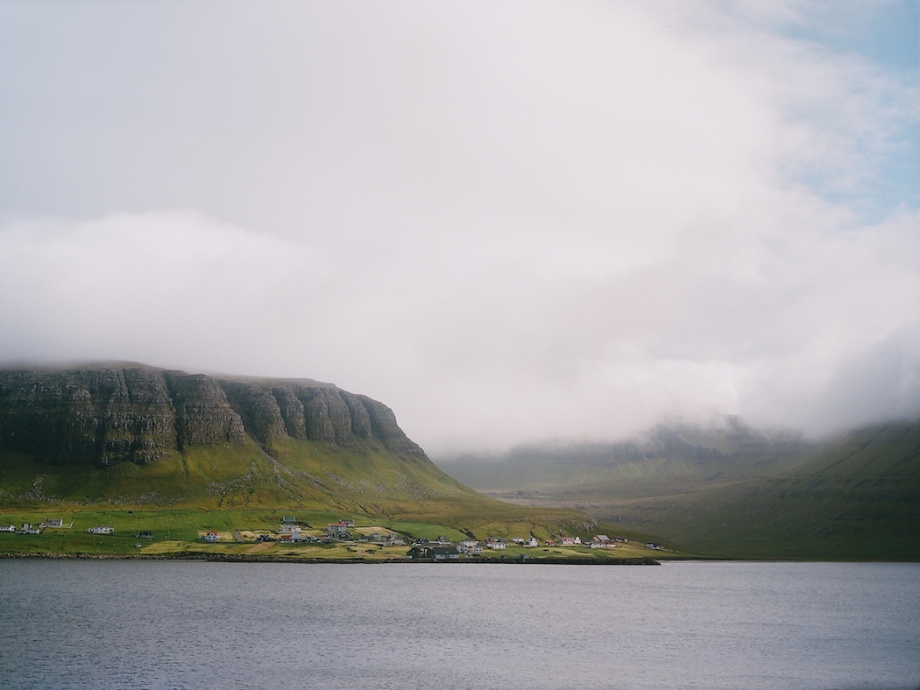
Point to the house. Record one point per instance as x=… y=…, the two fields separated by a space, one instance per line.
x=290 y=529
x=469 y=547
x=101 y=529
x=288 y=520
x=443 y=553
x=31 y=530
x=7 y=528
x=144 y=534
x=496 y=544
x=52 y=522
x=653 y=545
x=338 y=531
x=211 y=537
x=435 y=553
x=531 y=542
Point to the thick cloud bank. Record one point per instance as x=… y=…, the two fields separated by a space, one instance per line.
x=511 y=223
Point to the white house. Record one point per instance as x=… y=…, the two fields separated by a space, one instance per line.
x=532 y=542
x=211 y=537
x=52 y=522
x=470 y=547
x=101 y=529
x=7 y=528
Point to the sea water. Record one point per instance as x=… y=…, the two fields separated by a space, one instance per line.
x=737 y=626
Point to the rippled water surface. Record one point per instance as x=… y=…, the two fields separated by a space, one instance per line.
x=738 y=626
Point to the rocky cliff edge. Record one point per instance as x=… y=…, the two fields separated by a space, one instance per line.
x=107 y=414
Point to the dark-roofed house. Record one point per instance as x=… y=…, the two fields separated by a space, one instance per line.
x=434 y=553
x=444 y=553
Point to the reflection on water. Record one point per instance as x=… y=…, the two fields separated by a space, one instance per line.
x=738 y=626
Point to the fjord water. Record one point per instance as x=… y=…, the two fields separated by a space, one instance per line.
x=738 y=626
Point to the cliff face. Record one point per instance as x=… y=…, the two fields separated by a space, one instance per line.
x=110 y=414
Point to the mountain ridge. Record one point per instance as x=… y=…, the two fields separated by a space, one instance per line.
x=854 y=496
x=104 y=414
x=139 y=438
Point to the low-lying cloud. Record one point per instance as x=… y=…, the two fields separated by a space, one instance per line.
x=513 y=224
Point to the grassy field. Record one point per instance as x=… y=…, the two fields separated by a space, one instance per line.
x=177 y=533
x=247 y=487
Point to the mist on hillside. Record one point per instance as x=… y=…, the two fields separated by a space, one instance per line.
x=508 y=221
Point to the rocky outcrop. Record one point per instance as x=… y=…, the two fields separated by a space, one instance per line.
x=93 y=415
x=203 y=415
x=106 y=414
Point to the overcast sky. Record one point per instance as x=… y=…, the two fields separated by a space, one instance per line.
x=508 y=221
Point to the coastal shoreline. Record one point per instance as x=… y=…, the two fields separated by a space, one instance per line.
x=244 y=558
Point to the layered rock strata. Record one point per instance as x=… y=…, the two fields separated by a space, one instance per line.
x=114 y=413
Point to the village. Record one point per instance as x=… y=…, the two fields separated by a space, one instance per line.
x=355 y=541
x=438 y=549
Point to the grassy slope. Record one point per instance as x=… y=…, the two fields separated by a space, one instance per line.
x=857 y=498
x=245 y=487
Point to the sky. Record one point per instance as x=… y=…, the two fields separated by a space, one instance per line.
x=510 y=221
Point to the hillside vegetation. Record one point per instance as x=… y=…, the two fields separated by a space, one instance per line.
x=735 y=492
x=111 y=438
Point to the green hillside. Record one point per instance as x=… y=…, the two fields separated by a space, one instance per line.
x=362 y=480
x=857 y=497
x=114 y=441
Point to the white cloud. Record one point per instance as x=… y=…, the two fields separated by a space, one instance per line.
x=531 y=220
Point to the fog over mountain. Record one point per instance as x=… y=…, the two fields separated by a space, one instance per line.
x=510 y=221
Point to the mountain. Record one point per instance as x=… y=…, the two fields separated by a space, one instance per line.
x=733 y=492
x=123 y=435
x=665 y=460
x=104 y=415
